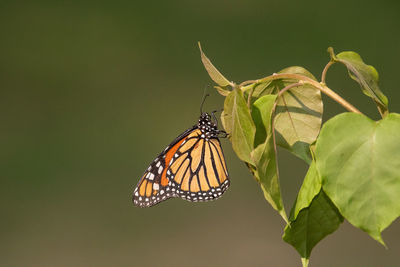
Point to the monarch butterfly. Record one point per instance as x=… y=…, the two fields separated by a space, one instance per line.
x=192 y=167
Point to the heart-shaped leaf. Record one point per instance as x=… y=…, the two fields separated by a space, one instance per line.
x=359 y=163
x=298 y=114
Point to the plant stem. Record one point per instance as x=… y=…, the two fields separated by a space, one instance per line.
x=323 y=76
x=306 y=80
x=304 y=262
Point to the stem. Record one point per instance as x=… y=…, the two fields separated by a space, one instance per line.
x=330 y=63
x=304 y=262
x=306 y=80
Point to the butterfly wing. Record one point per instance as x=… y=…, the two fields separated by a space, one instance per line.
x=192 y=167
x=154 y=186
x=198 y=170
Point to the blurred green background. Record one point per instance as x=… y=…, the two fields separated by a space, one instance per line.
x=90 y=93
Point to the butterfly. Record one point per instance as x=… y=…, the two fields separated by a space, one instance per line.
x=192 y=167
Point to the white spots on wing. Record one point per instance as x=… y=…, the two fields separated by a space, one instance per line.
x=158 y=164
x=151 y=177
x=156 y=186
x=160 y=169
x=148 y=175
x=162 y=191
x=136 y=193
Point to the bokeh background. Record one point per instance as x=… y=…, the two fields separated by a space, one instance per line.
x=90 y=93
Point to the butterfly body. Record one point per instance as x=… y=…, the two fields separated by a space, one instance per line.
x=192 y=167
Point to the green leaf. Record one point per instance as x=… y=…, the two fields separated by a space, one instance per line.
x=261 y=114
x=309 y=189
x=239 y=125
x=358 y=160
x=222 y=90
x=263 y=89
x=298 y=114
x=312 y=224
x=215 y=75
x=366 y=76
x=263 y=155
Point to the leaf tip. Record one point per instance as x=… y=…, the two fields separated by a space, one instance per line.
x=331 y=53
x=378 y=237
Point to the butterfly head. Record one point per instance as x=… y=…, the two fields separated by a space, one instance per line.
x=207 y=126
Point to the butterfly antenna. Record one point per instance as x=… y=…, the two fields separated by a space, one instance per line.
x=202 y=103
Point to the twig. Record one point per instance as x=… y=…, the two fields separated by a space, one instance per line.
x=323 y=76
x=306 y=80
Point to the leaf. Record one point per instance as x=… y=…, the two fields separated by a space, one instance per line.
x=263 y=89
x=298 y=114
x=358 y=160
x=215 y=75
x=261 y=114
x=239 y=125
x=366 y=76
x=309 y=189
x=222 y=90
x=312 y=224
x=263 y=155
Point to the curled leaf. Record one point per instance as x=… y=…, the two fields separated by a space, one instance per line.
x=263 y=155
x=366 y=76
